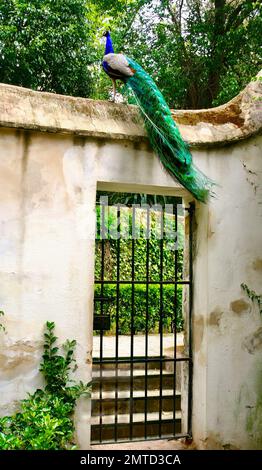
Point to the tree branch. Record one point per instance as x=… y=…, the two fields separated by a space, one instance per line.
x=172 y=13
x=235 y=18
x=131 y=21
x=180 y=13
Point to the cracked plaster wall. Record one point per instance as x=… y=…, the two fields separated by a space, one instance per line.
x=48 y=183
x=227 y=325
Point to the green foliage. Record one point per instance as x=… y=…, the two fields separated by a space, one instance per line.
x=2 y=327
x=57 y=368
x=47 y=45
x=44 y=421
x=137 y=198
x=253 y=296
x=200 y=54
x=54 y=367
x=140 y=307
x=140 y=244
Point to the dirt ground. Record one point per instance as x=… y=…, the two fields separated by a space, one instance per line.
x=163 y=444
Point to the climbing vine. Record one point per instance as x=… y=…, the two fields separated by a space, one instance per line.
x=45 y=418
x=253 y=296
x=2 y=327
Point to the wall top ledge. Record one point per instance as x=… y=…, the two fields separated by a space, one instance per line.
x=22 y=108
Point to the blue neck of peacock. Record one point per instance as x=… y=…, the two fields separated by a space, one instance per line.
x=109 y=45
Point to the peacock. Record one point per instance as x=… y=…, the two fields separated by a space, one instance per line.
x=162 y=131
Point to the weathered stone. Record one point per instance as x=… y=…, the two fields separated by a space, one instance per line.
x=239 y=306
x=199 y=331
x=48 y=184
x=23 y=354
x=27 y=109
x=253 y=342
x=216 y=442
x=215 y=317
x=257 y=264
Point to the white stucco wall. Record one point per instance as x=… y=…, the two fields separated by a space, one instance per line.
x=227 y=325
x=48 y=185
x=47 y=212
x=45 y=253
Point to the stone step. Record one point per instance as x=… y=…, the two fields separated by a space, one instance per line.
x=139 y=345
x=123 y=382
x=136 y=393
x=136 y=418
x=109 y=406
x=153 y=428
x=127 y=373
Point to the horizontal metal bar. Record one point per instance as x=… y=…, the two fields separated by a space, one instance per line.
x=142 y=438
x=177 y=395
x=138 y=361
x=104 y=299
x=99 y=281
x=142 y=206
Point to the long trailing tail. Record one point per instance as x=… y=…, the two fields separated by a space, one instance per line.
x=165 y=136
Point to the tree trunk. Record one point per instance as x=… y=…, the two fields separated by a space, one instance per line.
x=217 y=54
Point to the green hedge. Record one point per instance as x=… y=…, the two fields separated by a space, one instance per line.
x=125 y=310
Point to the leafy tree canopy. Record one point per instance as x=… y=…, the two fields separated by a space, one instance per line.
x=47 y=45
x=201 y=53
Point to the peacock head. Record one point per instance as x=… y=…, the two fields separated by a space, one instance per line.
x=109 y=45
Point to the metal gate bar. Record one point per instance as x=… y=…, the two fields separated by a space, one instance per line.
x=117 y=321
x=162 y=360
x=175 y=320
x=147 y=315
x=190 y=320
x=101 y=331
x=161 y=320
x=132 y=326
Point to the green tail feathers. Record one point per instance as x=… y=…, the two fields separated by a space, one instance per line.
x=165 y=136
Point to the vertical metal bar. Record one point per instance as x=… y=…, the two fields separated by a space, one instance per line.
x=175 y=316
x=190 y=320
x=117 y=319
x=101 y=312
x=147 y=313
x=132 y=324
x=161 y=321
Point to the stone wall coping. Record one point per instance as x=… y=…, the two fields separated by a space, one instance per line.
x=22 y=108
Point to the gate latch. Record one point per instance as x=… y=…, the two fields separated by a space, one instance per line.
x=101 y=322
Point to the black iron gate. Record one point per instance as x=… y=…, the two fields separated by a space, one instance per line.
x=142 y=363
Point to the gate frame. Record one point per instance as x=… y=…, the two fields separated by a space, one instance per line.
x=189 y=210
